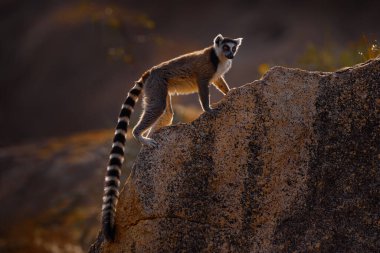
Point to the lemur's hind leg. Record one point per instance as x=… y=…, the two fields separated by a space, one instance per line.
x=166 y=118
x=154 y=107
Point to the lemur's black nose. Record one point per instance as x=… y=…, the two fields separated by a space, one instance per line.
x=230 y=56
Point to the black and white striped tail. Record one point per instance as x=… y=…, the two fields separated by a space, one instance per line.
x=112 y=179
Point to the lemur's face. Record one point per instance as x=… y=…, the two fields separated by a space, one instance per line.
x=226 y=47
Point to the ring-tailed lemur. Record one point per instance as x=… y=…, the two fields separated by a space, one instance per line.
x=189 y=73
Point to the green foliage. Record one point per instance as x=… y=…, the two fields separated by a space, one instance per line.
x=331 y=57
x=121 y=28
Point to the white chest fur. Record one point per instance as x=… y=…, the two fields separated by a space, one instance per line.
x=223 y=67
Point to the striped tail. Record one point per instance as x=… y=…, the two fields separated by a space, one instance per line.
x=112 y=179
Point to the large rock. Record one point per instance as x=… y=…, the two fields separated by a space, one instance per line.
x=288 y=163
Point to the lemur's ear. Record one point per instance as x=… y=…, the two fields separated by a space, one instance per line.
x=218 y=39
x=239 y=40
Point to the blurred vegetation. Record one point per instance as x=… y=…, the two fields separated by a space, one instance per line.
x=332 y=56
x=112 y=15
x=118 y=23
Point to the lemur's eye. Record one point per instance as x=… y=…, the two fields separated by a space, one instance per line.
x=226 y=48
x=233 y=49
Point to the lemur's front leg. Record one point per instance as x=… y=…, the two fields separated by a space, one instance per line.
x=204 y=95
x=222 y=85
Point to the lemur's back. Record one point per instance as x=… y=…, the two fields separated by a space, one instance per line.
x=182 y=74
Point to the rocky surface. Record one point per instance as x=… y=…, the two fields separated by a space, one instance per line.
x=289 y=163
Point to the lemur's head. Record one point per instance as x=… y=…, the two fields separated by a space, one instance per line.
x=226 y=47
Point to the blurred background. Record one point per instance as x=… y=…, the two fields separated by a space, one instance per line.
x=66 y=67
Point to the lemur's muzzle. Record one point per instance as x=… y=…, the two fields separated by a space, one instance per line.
x=230 y=56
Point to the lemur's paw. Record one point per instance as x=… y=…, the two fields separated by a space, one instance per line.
x=148 y=142
x=152 y=143
x=212 y=111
